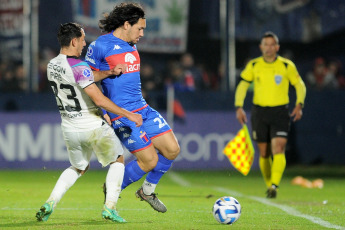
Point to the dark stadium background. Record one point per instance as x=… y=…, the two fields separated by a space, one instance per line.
x=317 y=139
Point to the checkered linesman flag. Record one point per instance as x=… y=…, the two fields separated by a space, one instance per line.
x=240 y=151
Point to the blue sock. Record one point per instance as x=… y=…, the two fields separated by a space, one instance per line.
x=163 y=165
x=133 y=173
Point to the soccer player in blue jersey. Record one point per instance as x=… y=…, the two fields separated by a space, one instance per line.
x=83 y=127
x=154 y=143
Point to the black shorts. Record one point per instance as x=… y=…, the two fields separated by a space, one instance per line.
x=270 y=122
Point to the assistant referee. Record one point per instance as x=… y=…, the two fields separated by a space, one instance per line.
x=270 y=118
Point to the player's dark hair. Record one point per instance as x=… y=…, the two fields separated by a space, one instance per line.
x=121 y=13
x=67 y=32
x=270 y=34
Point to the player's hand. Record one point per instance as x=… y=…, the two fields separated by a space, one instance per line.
x=241 y=116
x=136 y=118
x=119 y=69
x=297 y=113
x=107 y=118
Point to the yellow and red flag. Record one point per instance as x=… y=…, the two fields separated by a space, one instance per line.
x=240 y=151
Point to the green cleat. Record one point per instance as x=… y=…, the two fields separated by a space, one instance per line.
x=45 y=211
x=111 y=214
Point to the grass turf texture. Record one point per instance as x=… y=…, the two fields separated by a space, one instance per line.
x=189 y=205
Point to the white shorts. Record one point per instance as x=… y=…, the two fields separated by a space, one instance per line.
x=102 y=141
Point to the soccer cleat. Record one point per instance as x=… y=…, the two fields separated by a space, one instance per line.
x=271 y=192
x=152 y=199
x=45 y=211
x=111 y=214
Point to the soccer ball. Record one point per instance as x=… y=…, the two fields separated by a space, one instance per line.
x=226 y=210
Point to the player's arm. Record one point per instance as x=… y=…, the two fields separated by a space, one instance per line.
x=301 y=92
x=240 y=95
x=102 y=101
x=117 y=70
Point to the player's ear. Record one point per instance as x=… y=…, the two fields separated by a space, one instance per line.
x=260 y=47
x=74 y=42
x=126 y=25
x=277 y=47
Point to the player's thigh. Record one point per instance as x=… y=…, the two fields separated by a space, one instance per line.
x=279 y=122
x=260 y=129
x=167 y=145
x=79 y=154
x=134 y=138
x=161 y=135
x=154 y=124
x=106 y=145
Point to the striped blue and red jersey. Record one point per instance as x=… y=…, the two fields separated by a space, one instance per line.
x=124 y=90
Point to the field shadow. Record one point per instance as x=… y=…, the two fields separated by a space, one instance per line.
x=90 y=223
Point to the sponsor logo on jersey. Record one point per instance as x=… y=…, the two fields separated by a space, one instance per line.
x=130 y=141
x=125 y=135
x=121 y=129
x=144 y=137
x=130 y=58
x=89 y=51
x=90 y=60
x=278 y=79
x=117 y=47
x=86 y=73
x=133 y=67
x=117 y=122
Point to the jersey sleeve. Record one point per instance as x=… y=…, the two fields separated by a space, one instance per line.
x=82 y=74
x=296 y=80
x=93 y=56
x=293 y=74
x=247 y=73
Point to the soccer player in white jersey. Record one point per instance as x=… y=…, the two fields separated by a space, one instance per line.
x=84 y=131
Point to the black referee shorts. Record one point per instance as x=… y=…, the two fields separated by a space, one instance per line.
x=270 y=122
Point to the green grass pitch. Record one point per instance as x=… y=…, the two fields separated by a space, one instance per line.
x=188 y=195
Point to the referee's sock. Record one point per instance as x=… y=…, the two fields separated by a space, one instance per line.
x=278 y=167
x=265 y=167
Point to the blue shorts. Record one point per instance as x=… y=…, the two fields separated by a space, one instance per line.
x=138 y=138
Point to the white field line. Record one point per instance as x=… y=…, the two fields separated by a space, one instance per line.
x=289 y=210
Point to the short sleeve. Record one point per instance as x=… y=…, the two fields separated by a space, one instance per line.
x=247 y=73
x=293 y=74
x=83 y=74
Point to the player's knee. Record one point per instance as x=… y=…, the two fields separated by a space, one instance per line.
x=82 y=172
x=278 y=149
x=174 y=152
x=148 y=163
x=265 y=154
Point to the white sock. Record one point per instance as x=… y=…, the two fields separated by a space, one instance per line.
x=148 y=188
x=113 y=182
x=66 y=180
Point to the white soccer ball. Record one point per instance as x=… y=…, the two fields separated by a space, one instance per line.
x=226 y=210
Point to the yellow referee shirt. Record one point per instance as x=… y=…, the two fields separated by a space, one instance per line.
x=271 y=82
